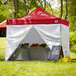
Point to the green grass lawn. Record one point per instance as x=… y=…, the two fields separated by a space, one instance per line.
x=35 y=68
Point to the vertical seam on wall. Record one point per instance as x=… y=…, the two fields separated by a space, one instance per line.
x=61 y=34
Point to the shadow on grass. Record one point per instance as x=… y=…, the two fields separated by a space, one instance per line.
x=41 y=61
x=73 y=60
x=2 y=54
x=2 y=59
x=73 y=51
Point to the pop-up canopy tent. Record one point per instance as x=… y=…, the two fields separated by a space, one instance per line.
x=37 y=27
x=3 y=26
x=3 y=29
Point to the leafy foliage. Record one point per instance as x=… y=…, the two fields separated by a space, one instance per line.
x=72 y=39
x=4 y=13
x=72 y=14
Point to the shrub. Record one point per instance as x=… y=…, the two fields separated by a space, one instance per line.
x=72 y=38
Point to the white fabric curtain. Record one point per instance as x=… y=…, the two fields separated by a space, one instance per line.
x=50 y=33
x=15 y=34
x=33 y=37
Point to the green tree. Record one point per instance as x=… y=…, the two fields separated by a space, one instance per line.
x=18 y=8
x=68 y=12
x=72 y=14
x=4 y=13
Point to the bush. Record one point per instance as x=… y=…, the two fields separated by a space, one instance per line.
x=72 y=38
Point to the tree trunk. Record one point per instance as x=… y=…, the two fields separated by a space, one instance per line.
x=25 y=9
x=66 y=10
x=61 y=9
x=14 y=10
x=44 y=4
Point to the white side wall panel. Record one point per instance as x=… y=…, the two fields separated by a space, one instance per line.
x=65 y=39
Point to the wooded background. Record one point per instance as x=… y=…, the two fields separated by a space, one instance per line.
x=66 y=9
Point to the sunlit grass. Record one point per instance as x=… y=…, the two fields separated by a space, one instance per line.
x=2 y=42
x=36 y=68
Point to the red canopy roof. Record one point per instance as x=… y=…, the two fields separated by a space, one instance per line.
x=38 y=16
x=3 y=24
